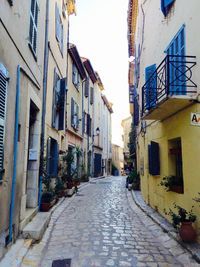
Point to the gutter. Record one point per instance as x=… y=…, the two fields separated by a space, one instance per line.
x=12 y=200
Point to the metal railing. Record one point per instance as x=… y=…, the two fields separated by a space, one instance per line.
x=172 y=77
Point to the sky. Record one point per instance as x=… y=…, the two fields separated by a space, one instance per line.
x=99 y=31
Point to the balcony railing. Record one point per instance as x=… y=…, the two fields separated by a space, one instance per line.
x=173 y=77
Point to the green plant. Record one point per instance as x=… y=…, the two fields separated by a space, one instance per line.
x=197 y=199
x=182 y=215
x=168 y=181
x=134 y=179
x=59 y=185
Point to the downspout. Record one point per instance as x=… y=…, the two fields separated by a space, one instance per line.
x=14 y=155
x=45 y=75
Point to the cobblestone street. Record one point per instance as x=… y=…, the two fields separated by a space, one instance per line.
x=101 y=226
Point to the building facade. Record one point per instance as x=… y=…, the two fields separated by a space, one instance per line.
x=126 y=126
x=117 y=159
x=164 y=92
x=21 y=90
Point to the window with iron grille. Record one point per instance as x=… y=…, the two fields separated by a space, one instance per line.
x=3 y=99
x=33 y=29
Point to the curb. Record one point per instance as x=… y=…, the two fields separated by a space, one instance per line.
x=193 y=249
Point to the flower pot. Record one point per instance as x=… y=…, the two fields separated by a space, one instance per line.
x=45 y=206
x=187 y=232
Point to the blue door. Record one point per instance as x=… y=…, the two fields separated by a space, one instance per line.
x=177 y=78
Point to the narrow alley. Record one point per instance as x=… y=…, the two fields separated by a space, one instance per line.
x=101 y=226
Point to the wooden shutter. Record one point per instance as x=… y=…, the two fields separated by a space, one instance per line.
x=72 y=112
x=3 y=100
x=88 y=124
x=54 y=100
x=151 y=86
x=91 y=95
x=87 y=87
x=154 y=158
x=61 y=120
x=77 y=116
x=57 y=23
x=33 y=28
x=48 y=156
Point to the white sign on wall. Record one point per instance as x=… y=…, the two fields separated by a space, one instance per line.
x=195 y=119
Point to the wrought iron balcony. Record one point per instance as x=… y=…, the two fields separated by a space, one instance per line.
x=170 y=87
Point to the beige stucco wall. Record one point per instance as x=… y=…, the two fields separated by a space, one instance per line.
x=57 y=60
x=126 y=125
x=14 y=50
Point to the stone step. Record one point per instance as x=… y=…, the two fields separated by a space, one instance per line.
x=36 y=228
x=16 y=253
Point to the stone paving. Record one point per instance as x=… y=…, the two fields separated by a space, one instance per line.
x=101 y=226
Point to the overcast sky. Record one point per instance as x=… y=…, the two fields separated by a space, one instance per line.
x=99 y=30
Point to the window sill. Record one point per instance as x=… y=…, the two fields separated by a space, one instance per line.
x=32 y=51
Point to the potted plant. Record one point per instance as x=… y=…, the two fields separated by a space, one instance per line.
x=182 y=220
x=171 y=183
x=60 y=189
x=133 y=180
x=48 y=198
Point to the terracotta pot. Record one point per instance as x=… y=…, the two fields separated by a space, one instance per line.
x=187 y=232
x=45 y=206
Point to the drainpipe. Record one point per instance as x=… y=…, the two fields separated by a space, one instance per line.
x=45 y=75
x=14 y=155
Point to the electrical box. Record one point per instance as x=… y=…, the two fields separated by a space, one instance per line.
x=33 y=154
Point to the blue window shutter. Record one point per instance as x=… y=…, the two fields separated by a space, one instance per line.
x=154 y=158
x=72 y=112
x=168 y=2
x=48 y=156
x=54 y=100
x=62 y=104
x=165 y=6
x=77 y=116
x=177 y=48
x=57 y=23
x=151 y=86
x=55 y=154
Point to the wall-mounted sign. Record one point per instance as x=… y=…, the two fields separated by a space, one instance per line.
x=195 y=119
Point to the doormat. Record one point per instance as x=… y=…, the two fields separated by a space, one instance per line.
x=61 y=263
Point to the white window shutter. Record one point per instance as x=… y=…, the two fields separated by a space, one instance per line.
x=3 y=99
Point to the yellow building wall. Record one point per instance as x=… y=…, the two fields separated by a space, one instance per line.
x=160 y=132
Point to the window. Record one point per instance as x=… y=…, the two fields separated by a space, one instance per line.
x=33 y=26
x=87 y=83
x=59 y=28
x=85 y=122
x=58 y=102
x=154 y=158
x=74 y=114
x=176 y=52
x=89 y=125
x=176 y=163
x=91 y=95
x=166 y=5
x=151 y=86
x=75 y=76
x=3 y=97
